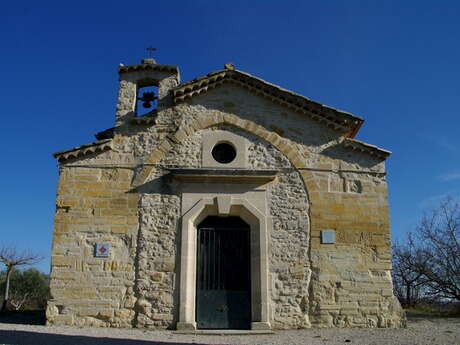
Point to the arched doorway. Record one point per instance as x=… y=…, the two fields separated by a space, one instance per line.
x=223 y=281
x=191 y=219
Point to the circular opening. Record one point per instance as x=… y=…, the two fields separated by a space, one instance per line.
x=224 y=153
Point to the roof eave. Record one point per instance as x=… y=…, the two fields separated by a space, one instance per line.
x=148 y=67
x=355 y=129
x=83 y=150
x=367 y=148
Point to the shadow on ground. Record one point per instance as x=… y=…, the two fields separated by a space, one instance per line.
x=36 y=338
x=23 y=317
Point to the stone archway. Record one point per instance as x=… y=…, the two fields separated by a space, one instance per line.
x=285 y=146
x=224 y=205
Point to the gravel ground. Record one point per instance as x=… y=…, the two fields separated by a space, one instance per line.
x=439 y=331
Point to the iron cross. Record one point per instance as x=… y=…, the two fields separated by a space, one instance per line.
x=150 y=51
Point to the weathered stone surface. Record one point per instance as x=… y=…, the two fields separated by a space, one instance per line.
x=126 y=196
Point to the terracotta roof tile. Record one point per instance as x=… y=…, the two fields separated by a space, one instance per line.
x=84 y=150
x=366 y=148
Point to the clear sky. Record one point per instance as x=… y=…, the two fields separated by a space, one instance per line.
x=395 y=63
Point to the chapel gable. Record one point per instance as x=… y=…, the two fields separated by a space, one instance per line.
x=224 y=202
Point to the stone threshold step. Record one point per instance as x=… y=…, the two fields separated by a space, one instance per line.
x=226 y=332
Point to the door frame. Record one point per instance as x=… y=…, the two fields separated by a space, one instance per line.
x=224 y=205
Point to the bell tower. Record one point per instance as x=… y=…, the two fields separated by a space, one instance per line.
x=144 y=89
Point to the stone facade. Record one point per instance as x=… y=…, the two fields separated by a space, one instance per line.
x=145 y=185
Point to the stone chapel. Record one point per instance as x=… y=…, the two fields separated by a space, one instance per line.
x=224 y=202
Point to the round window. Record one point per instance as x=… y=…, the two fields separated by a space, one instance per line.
x=224 y=153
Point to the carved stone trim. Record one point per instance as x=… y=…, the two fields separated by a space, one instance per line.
x=260 y=228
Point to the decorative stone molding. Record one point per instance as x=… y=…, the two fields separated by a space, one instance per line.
x=224 y=203
x=224 y=175
x=210 y=140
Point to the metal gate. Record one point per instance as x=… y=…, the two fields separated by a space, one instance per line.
x=223 y=274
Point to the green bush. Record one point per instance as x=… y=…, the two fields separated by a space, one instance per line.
x=29 y=288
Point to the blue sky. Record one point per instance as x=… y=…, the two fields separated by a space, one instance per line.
x=395 y=63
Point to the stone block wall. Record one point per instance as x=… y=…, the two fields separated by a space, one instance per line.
x=114 y=197
x=351 y=279
x=158 y=236
x=347 y=192
x=93 y=205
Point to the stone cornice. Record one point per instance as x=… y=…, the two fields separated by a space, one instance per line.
x=84 y=150
x=361 y=146
x=148 y=67
x=203 y=175
x=346 y=123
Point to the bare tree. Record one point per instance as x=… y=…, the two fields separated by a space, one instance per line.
x=408 y=282
x=439 y=244
x=11 y=258
x=429 y=262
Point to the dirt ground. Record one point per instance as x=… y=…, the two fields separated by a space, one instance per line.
x=420 y=331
